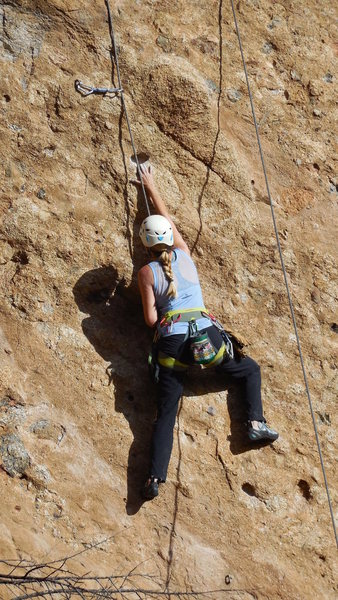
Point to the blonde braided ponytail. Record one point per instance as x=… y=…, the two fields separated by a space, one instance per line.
x=165 y=261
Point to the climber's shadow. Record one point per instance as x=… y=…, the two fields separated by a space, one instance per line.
x=114 y=328
x=200 y=383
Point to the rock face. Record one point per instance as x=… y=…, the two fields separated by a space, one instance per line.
x=76 y=407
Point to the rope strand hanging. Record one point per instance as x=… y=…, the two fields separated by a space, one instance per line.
x=114 y=56
x=284 y=273
x=88 y=90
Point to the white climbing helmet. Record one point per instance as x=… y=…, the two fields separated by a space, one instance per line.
x=156 y=230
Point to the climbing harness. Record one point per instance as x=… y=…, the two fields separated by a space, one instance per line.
x=203 y=352
x=284 y=273
x=233 y=343
x=165 y=326
x=87 y=90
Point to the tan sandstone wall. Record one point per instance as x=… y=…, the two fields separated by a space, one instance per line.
x=77 y=408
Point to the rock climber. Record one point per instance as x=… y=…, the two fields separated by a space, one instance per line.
x=186 y=334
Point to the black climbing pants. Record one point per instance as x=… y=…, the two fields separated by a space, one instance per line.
x=170 y=388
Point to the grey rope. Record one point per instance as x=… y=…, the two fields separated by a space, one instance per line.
x=116 y=61
x=285 y=276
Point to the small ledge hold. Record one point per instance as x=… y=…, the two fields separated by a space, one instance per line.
x=249 y=489
x=305 y=489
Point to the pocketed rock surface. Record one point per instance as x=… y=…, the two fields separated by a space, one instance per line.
x=76 y=407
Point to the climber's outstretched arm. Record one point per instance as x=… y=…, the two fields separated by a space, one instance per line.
x=160 y=207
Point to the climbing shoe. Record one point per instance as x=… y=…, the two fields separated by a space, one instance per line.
x=150 y=489
x=264 y=433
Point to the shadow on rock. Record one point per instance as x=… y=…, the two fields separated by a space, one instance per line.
x=115 y=329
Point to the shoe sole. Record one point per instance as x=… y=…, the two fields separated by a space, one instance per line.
x=149 y=496
x=262 y=438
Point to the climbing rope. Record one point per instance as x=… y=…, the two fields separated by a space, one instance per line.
x=285 y=274
x=88 y=90
x=115 y=59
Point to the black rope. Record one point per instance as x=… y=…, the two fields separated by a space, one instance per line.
x=116 y=61
x=285 y=275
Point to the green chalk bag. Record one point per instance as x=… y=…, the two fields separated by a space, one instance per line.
x=202 y=349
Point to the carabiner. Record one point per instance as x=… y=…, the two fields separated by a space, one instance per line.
x=87 y=90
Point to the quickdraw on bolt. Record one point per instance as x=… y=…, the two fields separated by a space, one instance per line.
x=87 y=90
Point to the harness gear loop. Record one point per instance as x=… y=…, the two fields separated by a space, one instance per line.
x=87 y=90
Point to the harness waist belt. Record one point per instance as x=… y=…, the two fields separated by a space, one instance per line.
x=184 y=316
